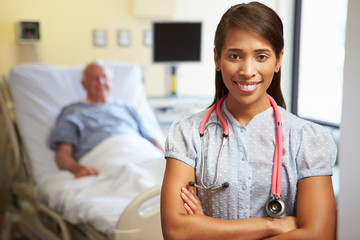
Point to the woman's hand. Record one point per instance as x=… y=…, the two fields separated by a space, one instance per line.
x=285 y=224
x=192 y=203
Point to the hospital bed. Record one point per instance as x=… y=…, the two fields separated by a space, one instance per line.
x=122 y=202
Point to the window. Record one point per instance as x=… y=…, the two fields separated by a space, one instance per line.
x=319 y=59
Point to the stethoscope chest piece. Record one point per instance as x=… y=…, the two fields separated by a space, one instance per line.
x=275 y=207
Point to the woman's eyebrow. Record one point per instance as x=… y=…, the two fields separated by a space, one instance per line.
x=262 y=50
x=234 y=50
x=241 y=50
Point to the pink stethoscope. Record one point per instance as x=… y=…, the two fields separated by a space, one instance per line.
x=275 y=207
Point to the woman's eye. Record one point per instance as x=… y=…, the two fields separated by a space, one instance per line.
x=262 y=57
x=234 y=56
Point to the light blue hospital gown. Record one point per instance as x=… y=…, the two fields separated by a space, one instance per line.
x=84 y=125
x=247 y=159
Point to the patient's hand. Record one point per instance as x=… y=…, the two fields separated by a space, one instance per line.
x=65 y=160
x=84 y=171
x=192 y=203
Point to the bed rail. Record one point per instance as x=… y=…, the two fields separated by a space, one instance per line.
x=133 y=224
x=24 y=211
x=13 y=152
x=12 y=163
x=42 y=223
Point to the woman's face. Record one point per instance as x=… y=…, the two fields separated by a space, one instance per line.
x=247 y=63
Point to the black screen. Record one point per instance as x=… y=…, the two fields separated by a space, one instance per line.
x=176 y=41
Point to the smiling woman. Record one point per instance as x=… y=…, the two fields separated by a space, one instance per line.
x=248 y=54
x=247 y=63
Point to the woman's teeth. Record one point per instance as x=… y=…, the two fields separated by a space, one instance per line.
x=247 y=86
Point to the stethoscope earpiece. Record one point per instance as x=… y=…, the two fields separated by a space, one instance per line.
x=191 y=184
x=275 y=207
x=213 y=188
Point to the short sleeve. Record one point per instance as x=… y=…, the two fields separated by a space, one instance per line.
x=64 y=131
x=183 y=141
x=317 y=152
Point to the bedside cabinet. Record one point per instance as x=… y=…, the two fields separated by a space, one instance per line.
x=169 y=109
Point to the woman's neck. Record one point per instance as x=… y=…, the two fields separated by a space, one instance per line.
x=244 y=112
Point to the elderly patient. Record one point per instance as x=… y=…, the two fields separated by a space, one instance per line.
x=82 y=125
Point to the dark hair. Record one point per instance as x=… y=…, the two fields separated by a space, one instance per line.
x=262 y=20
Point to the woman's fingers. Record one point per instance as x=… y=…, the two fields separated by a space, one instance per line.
x=192 y=203
x=188 y=209
x=188 y=204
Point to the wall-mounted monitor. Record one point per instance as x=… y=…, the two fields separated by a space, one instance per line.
x=176 y=42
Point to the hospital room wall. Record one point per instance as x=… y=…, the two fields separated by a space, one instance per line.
x=66 y=35
x=66 y=32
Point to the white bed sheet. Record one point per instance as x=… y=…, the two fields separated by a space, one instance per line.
x=128 y=165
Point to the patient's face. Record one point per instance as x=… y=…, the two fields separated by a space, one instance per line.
x=96 y=83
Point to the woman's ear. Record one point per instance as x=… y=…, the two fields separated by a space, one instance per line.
x=278 y=61
x=217 y=62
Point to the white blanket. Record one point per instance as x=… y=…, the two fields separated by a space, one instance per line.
x=127 y=166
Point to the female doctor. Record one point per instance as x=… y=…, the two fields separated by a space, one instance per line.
x=222 y=178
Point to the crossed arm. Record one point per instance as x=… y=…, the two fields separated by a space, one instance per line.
x=182 y=217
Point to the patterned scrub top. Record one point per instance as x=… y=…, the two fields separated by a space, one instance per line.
x=247 y=159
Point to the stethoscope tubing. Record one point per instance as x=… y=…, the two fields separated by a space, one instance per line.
x=277 y=168
x=274 y=207
x=212 y=187
x=216 y=106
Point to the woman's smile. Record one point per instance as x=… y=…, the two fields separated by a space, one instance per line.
x=247 y=87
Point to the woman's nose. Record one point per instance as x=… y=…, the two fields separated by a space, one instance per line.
x=247 y=69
